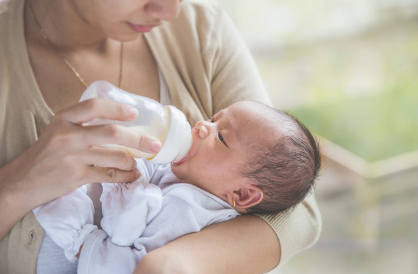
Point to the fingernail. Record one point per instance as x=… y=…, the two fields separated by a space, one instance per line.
x=137 y=174
x=155 y=146
x=132 y=112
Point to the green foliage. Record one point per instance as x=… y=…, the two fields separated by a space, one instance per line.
x=374 y=127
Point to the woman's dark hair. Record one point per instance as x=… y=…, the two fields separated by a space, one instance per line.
x=286 y=170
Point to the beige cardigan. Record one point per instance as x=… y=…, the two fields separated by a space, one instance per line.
x=206 y=66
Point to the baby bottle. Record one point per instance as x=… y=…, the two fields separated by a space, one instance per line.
x=166 y=123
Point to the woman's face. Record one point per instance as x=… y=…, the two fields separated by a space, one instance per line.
x=124 y=20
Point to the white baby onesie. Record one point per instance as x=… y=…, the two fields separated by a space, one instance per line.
x=137 y=218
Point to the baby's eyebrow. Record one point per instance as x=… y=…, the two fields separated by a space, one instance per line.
x=219 y=113
x=232 y=132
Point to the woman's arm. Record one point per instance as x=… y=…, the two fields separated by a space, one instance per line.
x=68 y=155
x=227 y=247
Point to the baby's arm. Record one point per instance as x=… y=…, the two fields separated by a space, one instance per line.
x=100 y=253
x=68 y=220
x=128 y=208
x=184 y=210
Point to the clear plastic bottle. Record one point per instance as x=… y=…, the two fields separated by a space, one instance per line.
x=166 y=123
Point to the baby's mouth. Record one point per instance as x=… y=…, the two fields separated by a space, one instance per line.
x=182 y=160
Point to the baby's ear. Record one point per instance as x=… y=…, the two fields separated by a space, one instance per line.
x=248 y=196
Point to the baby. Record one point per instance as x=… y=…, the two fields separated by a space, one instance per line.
x=249 y=158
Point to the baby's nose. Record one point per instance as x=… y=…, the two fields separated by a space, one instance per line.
x=202 y=128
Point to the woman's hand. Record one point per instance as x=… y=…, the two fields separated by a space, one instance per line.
x=68 y=155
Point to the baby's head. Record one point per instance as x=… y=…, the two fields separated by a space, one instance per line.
x=252 y=156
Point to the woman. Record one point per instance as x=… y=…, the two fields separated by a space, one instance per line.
x=188 y=55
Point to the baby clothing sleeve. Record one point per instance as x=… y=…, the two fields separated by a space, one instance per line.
x=185 y=209
x=127 y=210
x=68 y=221
x=101 y=255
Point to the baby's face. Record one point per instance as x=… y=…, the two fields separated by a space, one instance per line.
x=221 y=149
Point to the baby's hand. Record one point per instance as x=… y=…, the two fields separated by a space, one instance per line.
x=127 y=209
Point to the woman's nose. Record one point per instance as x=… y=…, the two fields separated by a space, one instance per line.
x=166 y=10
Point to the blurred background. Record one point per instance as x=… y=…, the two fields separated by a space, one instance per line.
x=348 y=69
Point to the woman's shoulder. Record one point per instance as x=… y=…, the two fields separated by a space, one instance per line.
x=10 y=19
x=196 y=22
x=10 y=7
x=200 y=10
x=4 y=6
x=5 y=15
x=11 y=27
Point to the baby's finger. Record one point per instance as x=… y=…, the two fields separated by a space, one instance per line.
x=88 y=110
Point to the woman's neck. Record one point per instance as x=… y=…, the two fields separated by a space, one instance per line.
x=64 y=26
x=90 y=53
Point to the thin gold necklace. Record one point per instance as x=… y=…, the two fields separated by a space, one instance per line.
x=65 y=59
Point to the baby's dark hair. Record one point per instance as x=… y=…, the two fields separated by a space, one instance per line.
x=285 y=171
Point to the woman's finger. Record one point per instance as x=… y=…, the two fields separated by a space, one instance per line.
x=120 y=135
x=88 y=110
x=109 y=157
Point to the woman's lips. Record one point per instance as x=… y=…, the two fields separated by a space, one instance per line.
x=142 y=28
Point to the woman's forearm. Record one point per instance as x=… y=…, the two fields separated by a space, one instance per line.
x=9 y=214
x=13 y=205
x=220 y=248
